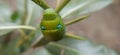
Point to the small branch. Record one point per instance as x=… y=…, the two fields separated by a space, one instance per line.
x=19 y=43
x=74 y=36
x=22 y=33
x=76 y=20
x=62 y=5
x=25 y=12
x=41 y=3
x=29 y=18
x=58 y=3
x=22 y=39
x=17 y=27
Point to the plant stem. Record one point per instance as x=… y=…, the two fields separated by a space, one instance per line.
x=24 y=36
x=25 y=12
x=22 y=39
x=60 y=6
x=17 y=27
x=76 y=20
x=74 y=36
x=58 y=3
x=41 y=3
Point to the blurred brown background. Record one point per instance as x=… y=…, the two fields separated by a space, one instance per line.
x=102 y=26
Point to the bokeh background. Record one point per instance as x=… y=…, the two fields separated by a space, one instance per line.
x=102 y=26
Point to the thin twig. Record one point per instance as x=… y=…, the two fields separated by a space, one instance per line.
x=22 y=39
x=63 y=4
x=74 y=36
x=41 y=3
x=29 y=18
x=76 y=20
x=25 y=12
x=58 y=3
x=17 y=27
x=22 y=33
x=20 y=42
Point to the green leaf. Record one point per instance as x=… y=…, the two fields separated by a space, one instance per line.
x=78 y=47
x=80 y=7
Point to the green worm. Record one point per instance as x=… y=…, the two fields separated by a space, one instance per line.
x=52 y=27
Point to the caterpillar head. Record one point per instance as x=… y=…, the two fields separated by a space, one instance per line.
x=52 y=26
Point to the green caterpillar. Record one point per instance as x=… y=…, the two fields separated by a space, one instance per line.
x=52 y=26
